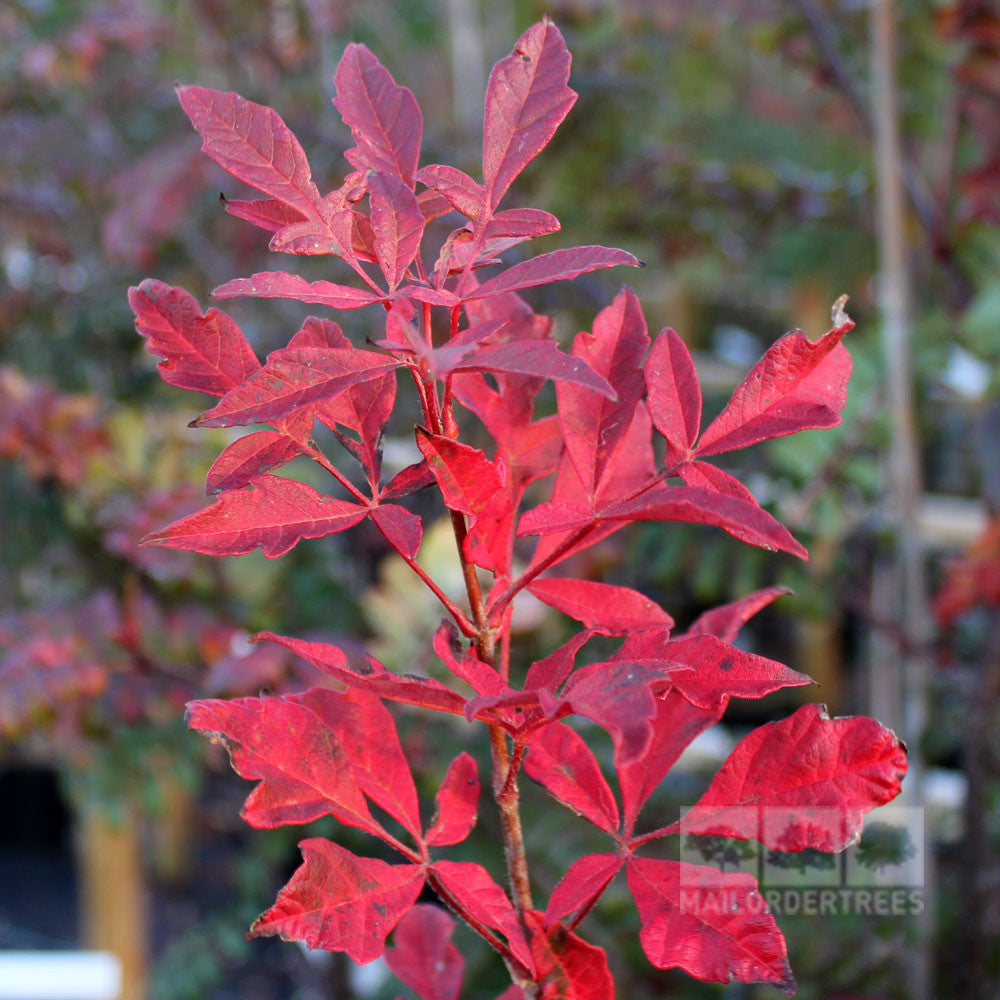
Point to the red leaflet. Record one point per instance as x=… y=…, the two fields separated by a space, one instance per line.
x=397 y=224
x=715 y=926
x=340 y=902
x=567 y=967
x=602 y=607
x=593 y=427
x=724 y=622
x=402 y=529
x=697 y=505
x=457 y=800
x=293 y=377
x=461 y=192
x=586 y=879
x=273 y=514
x=267 y=214
x=674 y=395
x=307 y=237
x=464 y=663
x=470 y=483
x=424 y=957
x=526 y=100
x=364 y=407
x=797 y=384
x=473 y=888
x=675 y=724
x=282 y=285
x=522 y=222
x=410 y=689
x=618 y=697
x=709 y=672
x=560 y=761
x=383 y=117
x=704 y=476
x=207 y=353
x=540 y=358
x=367 y=733
x=631 y=471
x=550 y=672
x=412 y=479
x=815 y=797
x=310 y=777
x=249 y=457
x=558 y=265
x=251 y=142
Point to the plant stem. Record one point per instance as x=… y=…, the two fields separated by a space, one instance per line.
x=505 y=790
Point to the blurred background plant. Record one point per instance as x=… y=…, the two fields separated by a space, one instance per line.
x=729 y=146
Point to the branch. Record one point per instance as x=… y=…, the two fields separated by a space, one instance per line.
x=918 y=192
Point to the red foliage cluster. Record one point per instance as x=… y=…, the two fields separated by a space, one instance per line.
x=52 y=434
x=973 y=580
x=326 y=752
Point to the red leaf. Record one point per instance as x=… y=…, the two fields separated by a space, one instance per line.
x=522 y=222
x=618 y=697
x=743 y=520
x=249 y=457
x=303 y=768
x=468 y=480
x=251 y=142
x=526 y=100
x=340 y=902
x=293 y=377
x=725 y=621
x=412 y=479
x=604 y=608
x=461 y=191
x=562 y=763
x=282 y=285
x=797 y=384
x=470 y=483
x=425 y=692
x=675 y=724
x=464 y=663
x=402 y=529
x=424 y=957
x=551 y=671
x=267 y=214
x=398 y=225
x=805 y=781
x=540 y=358
x=207 y=353
x=367 y=732
x=457 y=801
x=712 y=925
x=485 y=901
x=701 y=475
x=273 y=513
x=709 y=672
x=593 y=427
x=364 y=408
x=567 y=966
x=674 y=395
x=384 y=117
x=630 y=471
x=558 y=265
x=586 y=879
x=548 y=518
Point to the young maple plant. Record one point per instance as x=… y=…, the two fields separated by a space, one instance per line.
x=804 y=782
